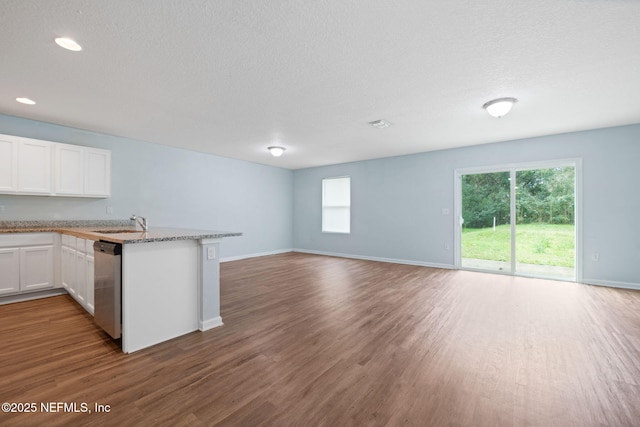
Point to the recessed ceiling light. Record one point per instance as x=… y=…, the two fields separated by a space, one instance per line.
x=26 y=101
x=380 y=124
x=68 y=44
x=276 y=151
x=499 y=107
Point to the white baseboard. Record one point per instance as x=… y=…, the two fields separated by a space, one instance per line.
x=598 y=282
x=211 y=323
x=369 y=258
x=611 y=283
x=32 y=295
x=239 y=257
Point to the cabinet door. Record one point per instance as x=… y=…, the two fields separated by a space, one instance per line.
x=36 y=268
x=10 y=268
x=34 y=166
x=8 y=164
x=81 y=278
x=89 y=282
x=69 y=270
x=68 y=170
x=97 y=172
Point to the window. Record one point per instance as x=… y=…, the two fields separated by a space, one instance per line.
x=336 y=205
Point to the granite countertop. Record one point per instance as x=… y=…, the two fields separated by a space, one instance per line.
x=121 y=231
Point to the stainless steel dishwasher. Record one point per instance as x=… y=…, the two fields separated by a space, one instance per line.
x=108 y=287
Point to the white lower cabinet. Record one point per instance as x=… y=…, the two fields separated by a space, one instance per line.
x=36 y=268
x=26 y=262
x=68 y=257
x=81 y=278
x=10 y=268
x=77 y=270
x=90 y=269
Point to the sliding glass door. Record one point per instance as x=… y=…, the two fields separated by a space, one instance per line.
x=545 y=222
x=521 y=220
x=486 y=221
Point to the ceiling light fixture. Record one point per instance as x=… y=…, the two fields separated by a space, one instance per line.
x=26 y=101
x=68 y=44
x=380 y=124
x=499 y=107
x=276 y=151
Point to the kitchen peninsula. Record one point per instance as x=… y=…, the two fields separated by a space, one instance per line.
x=170 y=276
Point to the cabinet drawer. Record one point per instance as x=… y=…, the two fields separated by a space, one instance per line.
x=26 y=239
x=84 y=246
x=69 y=241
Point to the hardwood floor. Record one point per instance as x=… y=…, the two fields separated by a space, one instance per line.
x=311 y=340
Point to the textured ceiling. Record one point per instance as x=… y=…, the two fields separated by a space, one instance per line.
x=233 y=77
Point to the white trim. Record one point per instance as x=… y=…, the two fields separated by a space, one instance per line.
x=576 y=162
x=506 y=167
x=578 y=219
x=239 y=257
x=513 y=219
x=612 y=284
x=209 y=241
x=210 y=323
x=10 y=299
x=457 y=215
x=528 y=276
x=378 y=259
x=326 y=206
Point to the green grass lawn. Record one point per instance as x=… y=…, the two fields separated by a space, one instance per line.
x=541 y=244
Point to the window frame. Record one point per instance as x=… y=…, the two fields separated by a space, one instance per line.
x=325 y=206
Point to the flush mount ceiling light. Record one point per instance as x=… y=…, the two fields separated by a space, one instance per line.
x=68 y=44
x=276 y=151
x=380 y=124
x=26 y=101
x=499 y=107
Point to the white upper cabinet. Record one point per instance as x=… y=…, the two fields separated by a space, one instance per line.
x=8 y=164
x=97 y=175
x=34 y=166
x=82 y=171
x=69 y=170
x=31 y=166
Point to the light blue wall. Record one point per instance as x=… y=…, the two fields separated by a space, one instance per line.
x=397 y=202
x=172 y=187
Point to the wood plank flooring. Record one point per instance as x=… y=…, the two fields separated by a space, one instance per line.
x=320 y=341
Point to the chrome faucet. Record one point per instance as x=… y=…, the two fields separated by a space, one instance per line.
x=141 y=220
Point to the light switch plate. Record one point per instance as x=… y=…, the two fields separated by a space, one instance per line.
x=211 y=252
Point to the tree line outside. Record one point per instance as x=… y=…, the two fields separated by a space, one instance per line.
x=543 y=196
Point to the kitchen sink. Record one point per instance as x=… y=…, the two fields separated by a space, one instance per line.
x=116 y=231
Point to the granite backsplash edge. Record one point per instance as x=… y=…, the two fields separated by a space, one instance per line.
x=67 y=223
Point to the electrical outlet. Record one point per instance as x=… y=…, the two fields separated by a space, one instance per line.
x=447 y=246
x=211 y=252
x=109 y=210
x=595 y=256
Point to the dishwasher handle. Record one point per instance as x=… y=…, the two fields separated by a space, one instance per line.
x=107 y=248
